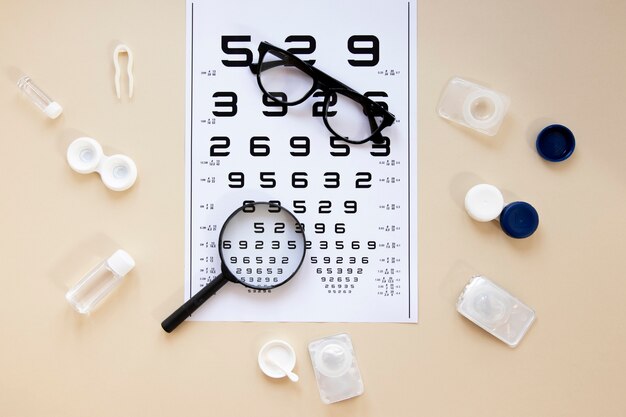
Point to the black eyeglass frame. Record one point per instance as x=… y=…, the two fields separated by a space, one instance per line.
x=328 y=85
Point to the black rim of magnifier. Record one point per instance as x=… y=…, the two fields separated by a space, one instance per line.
x=191 y=305
x=230 y=276
x=329 y=85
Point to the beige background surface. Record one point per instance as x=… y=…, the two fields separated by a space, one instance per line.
x=560 y=61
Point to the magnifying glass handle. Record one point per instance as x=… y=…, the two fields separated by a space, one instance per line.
x=193 y=303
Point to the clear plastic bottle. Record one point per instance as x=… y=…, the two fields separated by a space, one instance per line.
x=49 y=107
x=99 y=282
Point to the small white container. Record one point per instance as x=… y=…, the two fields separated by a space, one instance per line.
x=495 y=310
x=277 y=359
x=99 y=282
x=474 y=106
x=336 y=369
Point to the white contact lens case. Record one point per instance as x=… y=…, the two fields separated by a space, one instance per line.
x=495 y=310
x=118 y=172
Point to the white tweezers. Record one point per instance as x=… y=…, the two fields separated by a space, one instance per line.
x=120 y=49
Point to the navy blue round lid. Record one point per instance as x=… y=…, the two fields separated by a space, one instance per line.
x=519 y=219
x=555 y=143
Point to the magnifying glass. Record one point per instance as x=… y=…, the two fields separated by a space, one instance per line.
x=261 y=246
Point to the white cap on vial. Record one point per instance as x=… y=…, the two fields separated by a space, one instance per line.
x=121 y=262
x=53 y=110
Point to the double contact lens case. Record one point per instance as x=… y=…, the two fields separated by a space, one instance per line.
x=118 y=172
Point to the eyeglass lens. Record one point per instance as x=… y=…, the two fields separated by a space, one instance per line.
x=286 y=83
x=282 y=81
x=348 y=119
x=262 y=246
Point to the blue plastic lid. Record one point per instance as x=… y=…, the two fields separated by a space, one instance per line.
x=519 y=219
x=555 y=143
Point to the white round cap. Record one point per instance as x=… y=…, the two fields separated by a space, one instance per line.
x=121 y=262
x=484 y=202
x=118 y=172
x=84 y=155
x=53 y=110
x=276 y=351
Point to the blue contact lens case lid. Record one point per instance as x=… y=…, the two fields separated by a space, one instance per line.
x=555 y=143
x=519 y=220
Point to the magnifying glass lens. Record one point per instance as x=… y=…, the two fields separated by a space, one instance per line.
x=261 y=246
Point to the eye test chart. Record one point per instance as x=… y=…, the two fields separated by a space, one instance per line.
x=356 y=203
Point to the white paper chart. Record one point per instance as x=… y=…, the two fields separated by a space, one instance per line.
x=356 y=202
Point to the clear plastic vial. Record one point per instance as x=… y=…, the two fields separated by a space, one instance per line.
x=49 y=107
x=99 y=282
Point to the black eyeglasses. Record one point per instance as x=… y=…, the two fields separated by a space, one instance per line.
x=286 y=79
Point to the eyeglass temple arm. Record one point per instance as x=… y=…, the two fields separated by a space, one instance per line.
x=378 y=136
x=388 y=120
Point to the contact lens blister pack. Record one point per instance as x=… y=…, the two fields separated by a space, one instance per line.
x=336 y=369
x=472 y=105
x=495 y=310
